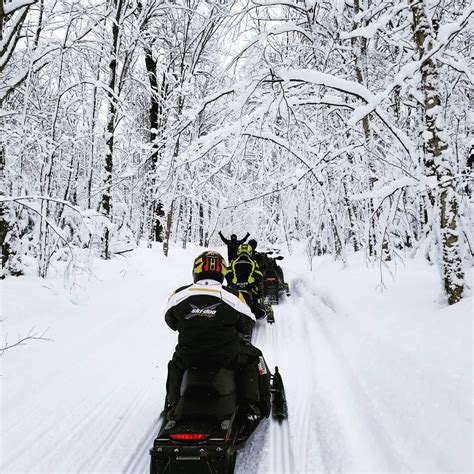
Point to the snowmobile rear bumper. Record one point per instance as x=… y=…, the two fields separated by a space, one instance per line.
x=185 y=452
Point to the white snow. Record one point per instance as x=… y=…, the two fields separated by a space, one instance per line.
x=377 y=381
x=10 y=6
x=371 y=29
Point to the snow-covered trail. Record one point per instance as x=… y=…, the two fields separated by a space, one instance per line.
x=330 y=426
x=84 y=417
x=358 y=399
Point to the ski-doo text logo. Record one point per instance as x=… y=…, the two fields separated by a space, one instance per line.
x=208 y=312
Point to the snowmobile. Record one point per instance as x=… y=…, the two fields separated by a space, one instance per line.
x=207 y=428
x=272 y=284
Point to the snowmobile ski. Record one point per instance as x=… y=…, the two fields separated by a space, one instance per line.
x=270 y=314
x=279 y=405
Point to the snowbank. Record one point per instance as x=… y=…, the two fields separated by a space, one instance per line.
x=409 y=356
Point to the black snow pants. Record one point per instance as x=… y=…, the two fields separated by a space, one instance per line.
x=253 y=299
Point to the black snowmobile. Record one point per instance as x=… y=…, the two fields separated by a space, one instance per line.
x=207 y=428
x=273 y=285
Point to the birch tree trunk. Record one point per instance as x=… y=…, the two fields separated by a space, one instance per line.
x=106 y=203
x=437 y=157
x=359 y=49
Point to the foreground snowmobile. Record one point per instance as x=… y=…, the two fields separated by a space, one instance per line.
x=207 y=428
x=272 y=284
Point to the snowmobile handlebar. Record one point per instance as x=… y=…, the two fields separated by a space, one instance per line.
x=270 y=255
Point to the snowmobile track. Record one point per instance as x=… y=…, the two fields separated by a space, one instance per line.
x=278 y=443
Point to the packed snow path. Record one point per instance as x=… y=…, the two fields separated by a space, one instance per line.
x=358 y=400
x=331 y=427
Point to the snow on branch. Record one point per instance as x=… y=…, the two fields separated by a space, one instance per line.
x=357 y=90
x=446 y=34
x=273 y=3
x=46 y=198
x=288 y=27
x=394 y=186
x=85 y=215
x=36 y=65
x=447 y=31
x=370 y=30
x=323 y=79
x=9 y=6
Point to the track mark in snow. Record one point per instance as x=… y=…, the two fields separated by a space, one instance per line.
x=66 y=437
x=332 y=424
x=296 y=354
x=108 y=434
x=140 y=459
x=278 y=452
x=367 y=445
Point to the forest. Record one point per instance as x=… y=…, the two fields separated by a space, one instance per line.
x=343 y=124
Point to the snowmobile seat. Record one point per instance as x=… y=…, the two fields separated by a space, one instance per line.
x=217 y=381
x=207 y=393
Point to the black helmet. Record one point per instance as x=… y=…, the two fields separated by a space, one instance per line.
x=233 y=237
x=209 y=265
x=253 y=244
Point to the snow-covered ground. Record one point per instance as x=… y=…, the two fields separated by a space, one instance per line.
x=376 y=381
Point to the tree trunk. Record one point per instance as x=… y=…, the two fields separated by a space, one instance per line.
x=93 y=116
x=4 y=224
x=437 y=157
x=106 y=202
x=201 y=225
x=359 y=48
x=155 y=113
x=209 y=218
x=169 y=224
x=48 y=171
x=350 y=212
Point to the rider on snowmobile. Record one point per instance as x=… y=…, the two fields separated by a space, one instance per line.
x=244 y=275
x=233 y=244
x=257 y=256
x=260 y=258
x=215 y=327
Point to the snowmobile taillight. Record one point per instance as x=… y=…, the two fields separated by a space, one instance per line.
x=188 y=436
x=270 y=279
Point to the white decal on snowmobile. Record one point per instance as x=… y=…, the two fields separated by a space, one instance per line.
x=262 y=368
